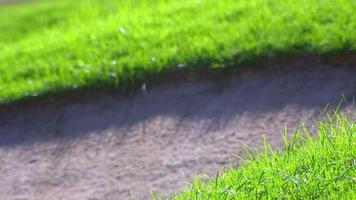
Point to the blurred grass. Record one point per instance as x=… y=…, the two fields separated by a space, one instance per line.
x=322 y=167
x=54 y=45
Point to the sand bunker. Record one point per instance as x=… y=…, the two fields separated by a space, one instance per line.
x=105 y=146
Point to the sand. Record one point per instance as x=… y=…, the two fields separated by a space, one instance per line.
x=103 y=145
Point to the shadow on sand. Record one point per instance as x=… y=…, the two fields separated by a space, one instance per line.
x=307 y=84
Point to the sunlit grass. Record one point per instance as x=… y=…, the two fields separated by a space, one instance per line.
x=320 y=167
x=51 y=45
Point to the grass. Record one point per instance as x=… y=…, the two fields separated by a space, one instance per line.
x=54 y=45
x=322 y=167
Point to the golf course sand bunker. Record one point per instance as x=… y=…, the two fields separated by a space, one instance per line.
x=106 y=146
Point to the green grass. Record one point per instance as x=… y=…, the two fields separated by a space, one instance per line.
x=322 y=167
x=54 y=45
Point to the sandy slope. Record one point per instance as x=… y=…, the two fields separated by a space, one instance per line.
x=104 y=146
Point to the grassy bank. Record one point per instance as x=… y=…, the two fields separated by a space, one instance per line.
x=48 y=46
x=307 y=168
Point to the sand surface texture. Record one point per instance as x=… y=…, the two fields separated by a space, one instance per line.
x=106 y=146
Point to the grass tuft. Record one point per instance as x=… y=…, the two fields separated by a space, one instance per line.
x=318 y=167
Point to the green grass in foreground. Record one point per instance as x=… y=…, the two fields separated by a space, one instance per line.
x=53 y=45
x=322 y=167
